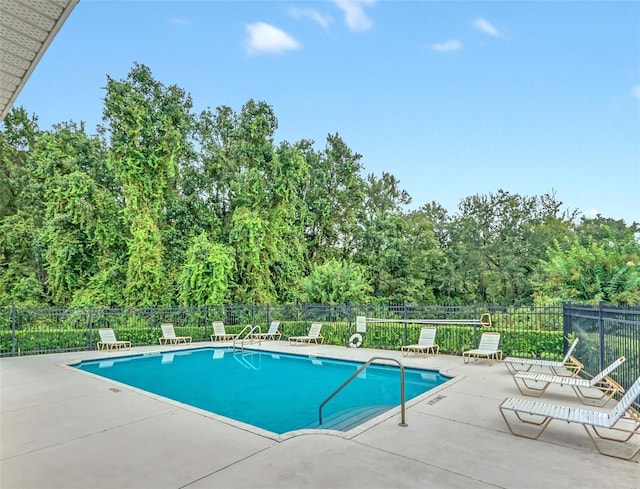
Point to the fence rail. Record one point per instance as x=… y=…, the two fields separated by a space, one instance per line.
x=606 y=332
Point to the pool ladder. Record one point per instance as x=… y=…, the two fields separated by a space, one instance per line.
x=346 y=382
x=252 y=329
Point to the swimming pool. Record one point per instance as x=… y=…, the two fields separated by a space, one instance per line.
x=274 y=391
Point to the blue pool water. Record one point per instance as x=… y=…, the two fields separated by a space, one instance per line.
x=274 y=391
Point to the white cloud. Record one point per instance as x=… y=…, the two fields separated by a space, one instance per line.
x=452 y=45
x=354 y=15
x=265 y=38
x=635 y=91
x=309 y=13
x=179 y=21
x=486 y=27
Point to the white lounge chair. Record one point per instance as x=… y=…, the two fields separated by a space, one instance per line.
x=169 y=335
x=271 y=334
x=220 y=334
x=108 y=340
x=426 y=343
x=488 y=348
x=623 y=418
x=528 y=382
x=568 y=363
x=312 y=337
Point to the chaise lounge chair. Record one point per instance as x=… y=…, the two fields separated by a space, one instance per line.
x=426 y=343
x=169 y=335
x=607 y=387
x=220 y=334
x=312 y=337
x=517 y=364
x=488 y=348
x=271 y=334
x=623 y=418
x=108 y=340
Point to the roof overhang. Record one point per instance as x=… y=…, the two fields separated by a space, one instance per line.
x=27 y=28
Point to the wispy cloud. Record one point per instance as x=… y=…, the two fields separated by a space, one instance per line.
x=635 y=91
x=447 y=46
x=179 y=21
x=354 y=14
x=265 y=38
x=486 y=27
x=309 y=13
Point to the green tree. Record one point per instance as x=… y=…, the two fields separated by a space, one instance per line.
x=335 y=198
x=148 y=125
x=22 y=274
x=495 y=245
x=255 y=190
x=18 y=136
x=397 y=250
x=22 y=270
x=589 y=271
x=249 y=238
x=73 y=185
x=336 y=282
x=287 y=216
x=205 y=276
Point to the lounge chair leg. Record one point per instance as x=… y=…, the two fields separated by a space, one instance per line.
x=630 y=433
x=529 y=421
x=543 y=425
x=528 y=390
x=635 y=452
x=606 y=394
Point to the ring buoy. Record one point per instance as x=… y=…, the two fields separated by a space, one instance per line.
x=485 y=319
x=355 y=341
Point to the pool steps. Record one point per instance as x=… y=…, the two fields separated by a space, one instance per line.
x=349 y=418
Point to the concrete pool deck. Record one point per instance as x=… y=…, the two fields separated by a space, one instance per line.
x=62 y=428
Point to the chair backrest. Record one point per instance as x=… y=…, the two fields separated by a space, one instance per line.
x=218 y=327
x=107 y=335
x=168 y=331
x=427 y=337
x=570 y=351
x=489 y=341
x=607 y=371
x=273 y=329
x=314 y=330
x=625 y=403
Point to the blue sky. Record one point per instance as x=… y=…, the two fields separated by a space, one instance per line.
x=453 y=98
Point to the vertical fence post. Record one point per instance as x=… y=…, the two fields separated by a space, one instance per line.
x=206 y=321
x=90 y=345
x=13 y=329
x=404 y=315
x=475 y=326
x=151 y=320
x=601 y=332
x=567 y=325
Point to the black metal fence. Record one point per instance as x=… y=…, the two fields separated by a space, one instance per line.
x=606 y=332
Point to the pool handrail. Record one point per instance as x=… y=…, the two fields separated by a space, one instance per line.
x=353 y=376
x=248 y=335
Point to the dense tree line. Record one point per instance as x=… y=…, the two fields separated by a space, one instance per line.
x=164 y=206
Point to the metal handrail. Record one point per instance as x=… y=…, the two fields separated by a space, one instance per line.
x=239 y=357
x=369 y=362
x=251 y=330
x=250 y=333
